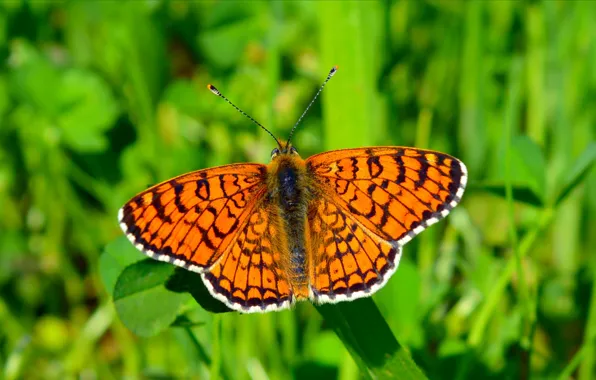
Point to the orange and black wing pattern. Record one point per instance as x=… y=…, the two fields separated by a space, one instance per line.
x=348 y=260
x=370 y=202
x=250 y=276
x=201 y=219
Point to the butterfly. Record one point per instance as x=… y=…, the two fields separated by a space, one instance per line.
x=328 y=228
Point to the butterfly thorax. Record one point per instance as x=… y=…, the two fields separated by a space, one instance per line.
x=287 y=179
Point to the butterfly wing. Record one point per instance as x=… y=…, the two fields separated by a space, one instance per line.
x=200 y=219
x=349 y=261
x=248 y=277
x=369 y=203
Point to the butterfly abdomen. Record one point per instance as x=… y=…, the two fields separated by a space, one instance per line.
x=288 y=174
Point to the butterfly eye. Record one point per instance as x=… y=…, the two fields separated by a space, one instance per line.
x=293 y=150
x=274 y=152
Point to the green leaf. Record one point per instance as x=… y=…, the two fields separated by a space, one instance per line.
x=186 y=281
x=528 y=166
x=88 y=110
x=34 y=80
x=370 y=341
x=577 y=172
x=521 y=193
x=142 y=300
x=224 y=43
x=116 y=256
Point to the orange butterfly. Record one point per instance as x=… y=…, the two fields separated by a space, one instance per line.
x=329 y=228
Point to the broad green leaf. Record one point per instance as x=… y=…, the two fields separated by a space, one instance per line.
x=142 y=300
x=190 y=282
x=577 y=172
x=370 y=341
x=116 y=256
x=88 y=110
x=34 y=80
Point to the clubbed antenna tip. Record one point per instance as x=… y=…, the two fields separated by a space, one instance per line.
x=331 y=73
x=215 y=91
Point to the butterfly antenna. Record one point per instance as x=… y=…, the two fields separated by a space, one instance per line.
x=216 y=92
x=331 y=73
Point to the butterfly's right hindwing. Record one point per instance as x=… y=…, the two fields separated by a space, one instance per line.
x=348 y=260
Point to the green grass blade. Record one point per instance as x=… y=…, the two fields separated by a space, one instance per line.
x=487 y=310
x=522 y=193
x=588 y=365
x=577 y=172
x=512 y=110
x=567 y=372
x=370 y=341
x=349 y=106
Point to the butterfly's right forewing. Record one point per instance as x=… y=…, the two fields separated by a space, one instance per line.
x=395 y=192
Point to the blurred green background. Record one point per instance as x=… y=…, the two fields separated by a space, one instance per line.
x=100 y=99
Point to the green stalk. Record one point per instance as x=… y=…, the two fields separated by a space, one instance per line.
x=586 y=369
x=511 y=117
x=479 y=326
x=215 y=347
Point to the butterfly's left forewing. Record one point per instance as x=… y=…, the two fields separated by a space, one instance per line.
x=370 y=202
x=192 y=219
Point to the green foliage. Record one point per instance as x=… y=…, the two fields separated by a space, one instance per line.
x=375 y=349
x=98 y=100
x=142 y=301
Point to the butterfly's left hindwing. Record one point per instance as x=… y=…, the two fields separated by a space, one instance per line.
x=250 y=276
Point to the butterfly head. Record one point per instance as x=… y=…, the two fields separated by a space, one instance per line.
x=288 y=149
